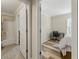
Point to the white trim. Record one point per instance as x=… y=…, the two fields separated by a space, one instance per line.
x=35 y=30
x=74 y=29
x=38 y=30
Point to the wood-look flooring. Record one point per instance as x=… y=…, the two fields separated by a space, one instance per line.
x=11 y=52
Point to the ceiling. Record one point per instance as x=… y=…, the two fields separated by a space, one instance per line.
x=55 y=7
x=49 y=7
x=9 y=6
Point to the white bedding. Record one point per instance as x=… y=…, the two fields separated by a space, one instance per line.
x=65 y=44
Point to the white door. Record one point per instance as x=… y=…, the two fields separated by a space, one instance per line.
x=22 y=28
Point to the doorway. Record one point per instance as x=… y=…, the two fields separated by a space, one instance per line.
x=17 y=26
x=49 y=27
x=25 y=30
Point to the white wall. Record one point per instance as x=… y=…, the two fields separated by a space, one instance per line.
x=75 y=29
x=45 y=28
x=59 y=23
x=54 y=23
x=35 y=30
x=10 y=30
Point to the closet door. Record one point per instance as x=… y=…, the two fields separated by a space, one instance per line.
x=22 y=28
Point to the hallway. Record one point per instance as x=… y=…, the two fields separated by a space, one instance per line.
x=11 y=52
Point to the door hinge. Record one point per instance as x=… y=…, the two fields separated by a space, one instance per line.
x=26 y=30
x=26 y=50
x=19 y=37
x=40 y=53
x=40 y=30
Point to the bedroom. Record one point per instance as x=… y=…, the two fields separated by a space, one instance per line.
x=56 y=27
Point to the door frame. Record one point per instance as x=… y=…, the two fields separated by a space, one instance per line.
x=29 y=17
x=74 y=29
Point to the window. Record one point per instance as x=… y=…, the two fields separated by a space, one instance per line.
x=69 y=25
